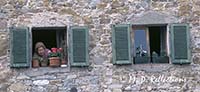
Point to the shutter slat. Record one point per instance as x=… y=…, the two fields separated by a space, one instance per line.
x=20 y=47
x=180 y=44
x=121 y=44
x=79 y=47
x=180 y=41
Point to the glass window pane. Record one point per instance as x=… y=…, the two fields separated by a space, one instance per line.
x=140 y=43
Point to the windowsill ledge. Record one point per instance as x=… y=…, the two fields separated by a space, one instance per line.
x=149 y=67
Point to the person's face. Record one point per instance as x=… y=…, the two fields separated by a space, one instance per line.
x=41 y=51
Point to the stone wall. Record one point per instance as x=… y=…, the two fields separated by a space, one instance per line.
x=101 y=75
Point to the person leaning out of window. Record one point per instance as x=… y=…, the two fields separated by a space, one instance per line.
x=41 y=54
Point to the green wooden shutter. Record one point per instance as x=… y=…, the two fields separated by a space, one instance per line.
x=79 y=55
x=121 y=44
x=20 y=47
x=180 y=51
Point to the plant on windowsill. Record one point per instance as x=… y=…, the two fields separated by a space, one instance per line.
x=141 y=56
x=163 y=58
x=55 y=57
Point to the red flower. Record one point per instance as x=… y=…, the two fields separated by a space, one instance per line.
x=54 y=50
x=60 y=49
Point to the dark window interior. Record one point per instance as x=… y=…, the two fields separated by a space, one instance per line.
x=50 y=36
x=154 y=37
x=157 y=39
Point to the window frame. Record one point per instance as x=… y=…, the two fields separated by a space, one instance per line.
x=146 y=28
x=137 y=28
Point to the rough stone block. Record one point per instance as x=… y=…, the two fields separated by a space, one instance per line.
x=41 y=82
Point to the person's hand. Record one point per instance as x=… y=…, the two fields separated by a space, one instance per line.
x=41 y=59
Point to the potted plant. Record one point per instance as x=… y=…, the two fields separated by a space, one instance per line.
x=141 y=56
x=54 y=57
x=141 y=59
x=163 y=58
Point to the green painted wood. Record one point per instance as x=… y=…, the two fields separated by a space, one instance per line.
x=20 y=47
x=121 y=44
x=79 y=54
x=180 y=40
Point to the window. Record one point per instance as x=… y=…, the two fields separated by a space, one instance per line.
x=151 y=44
x=74 y=43
x=52 y=37
x=158 y=44
x=141 y=46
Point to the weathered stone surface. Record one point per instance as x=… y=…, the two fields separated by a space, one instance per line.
x=98 y=60
x=135 y=87
x=128 y=88
x=107 y=90
x=28 y=82
x=196 y=60
x=49 y=77
x=101 y=75
x=117 y=90
x=35 y=72
x=3 y=24
x=152 y=17
x=69 y=83
x=184 y=9
x=108 y=81
x=41 y=82
x=54 y=82
x=72 y=76
x=68 y=11
x=4 y=43
x=18 y=87
x=3 y=2
x=38 y=89
x=22 y=77
x=52 y=89
x=115 y=86
x=104 y=21
x=3 y=87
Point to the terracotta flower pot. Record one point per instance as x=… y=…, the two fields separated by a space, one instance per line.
x=54 y=62
x=35 y=63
